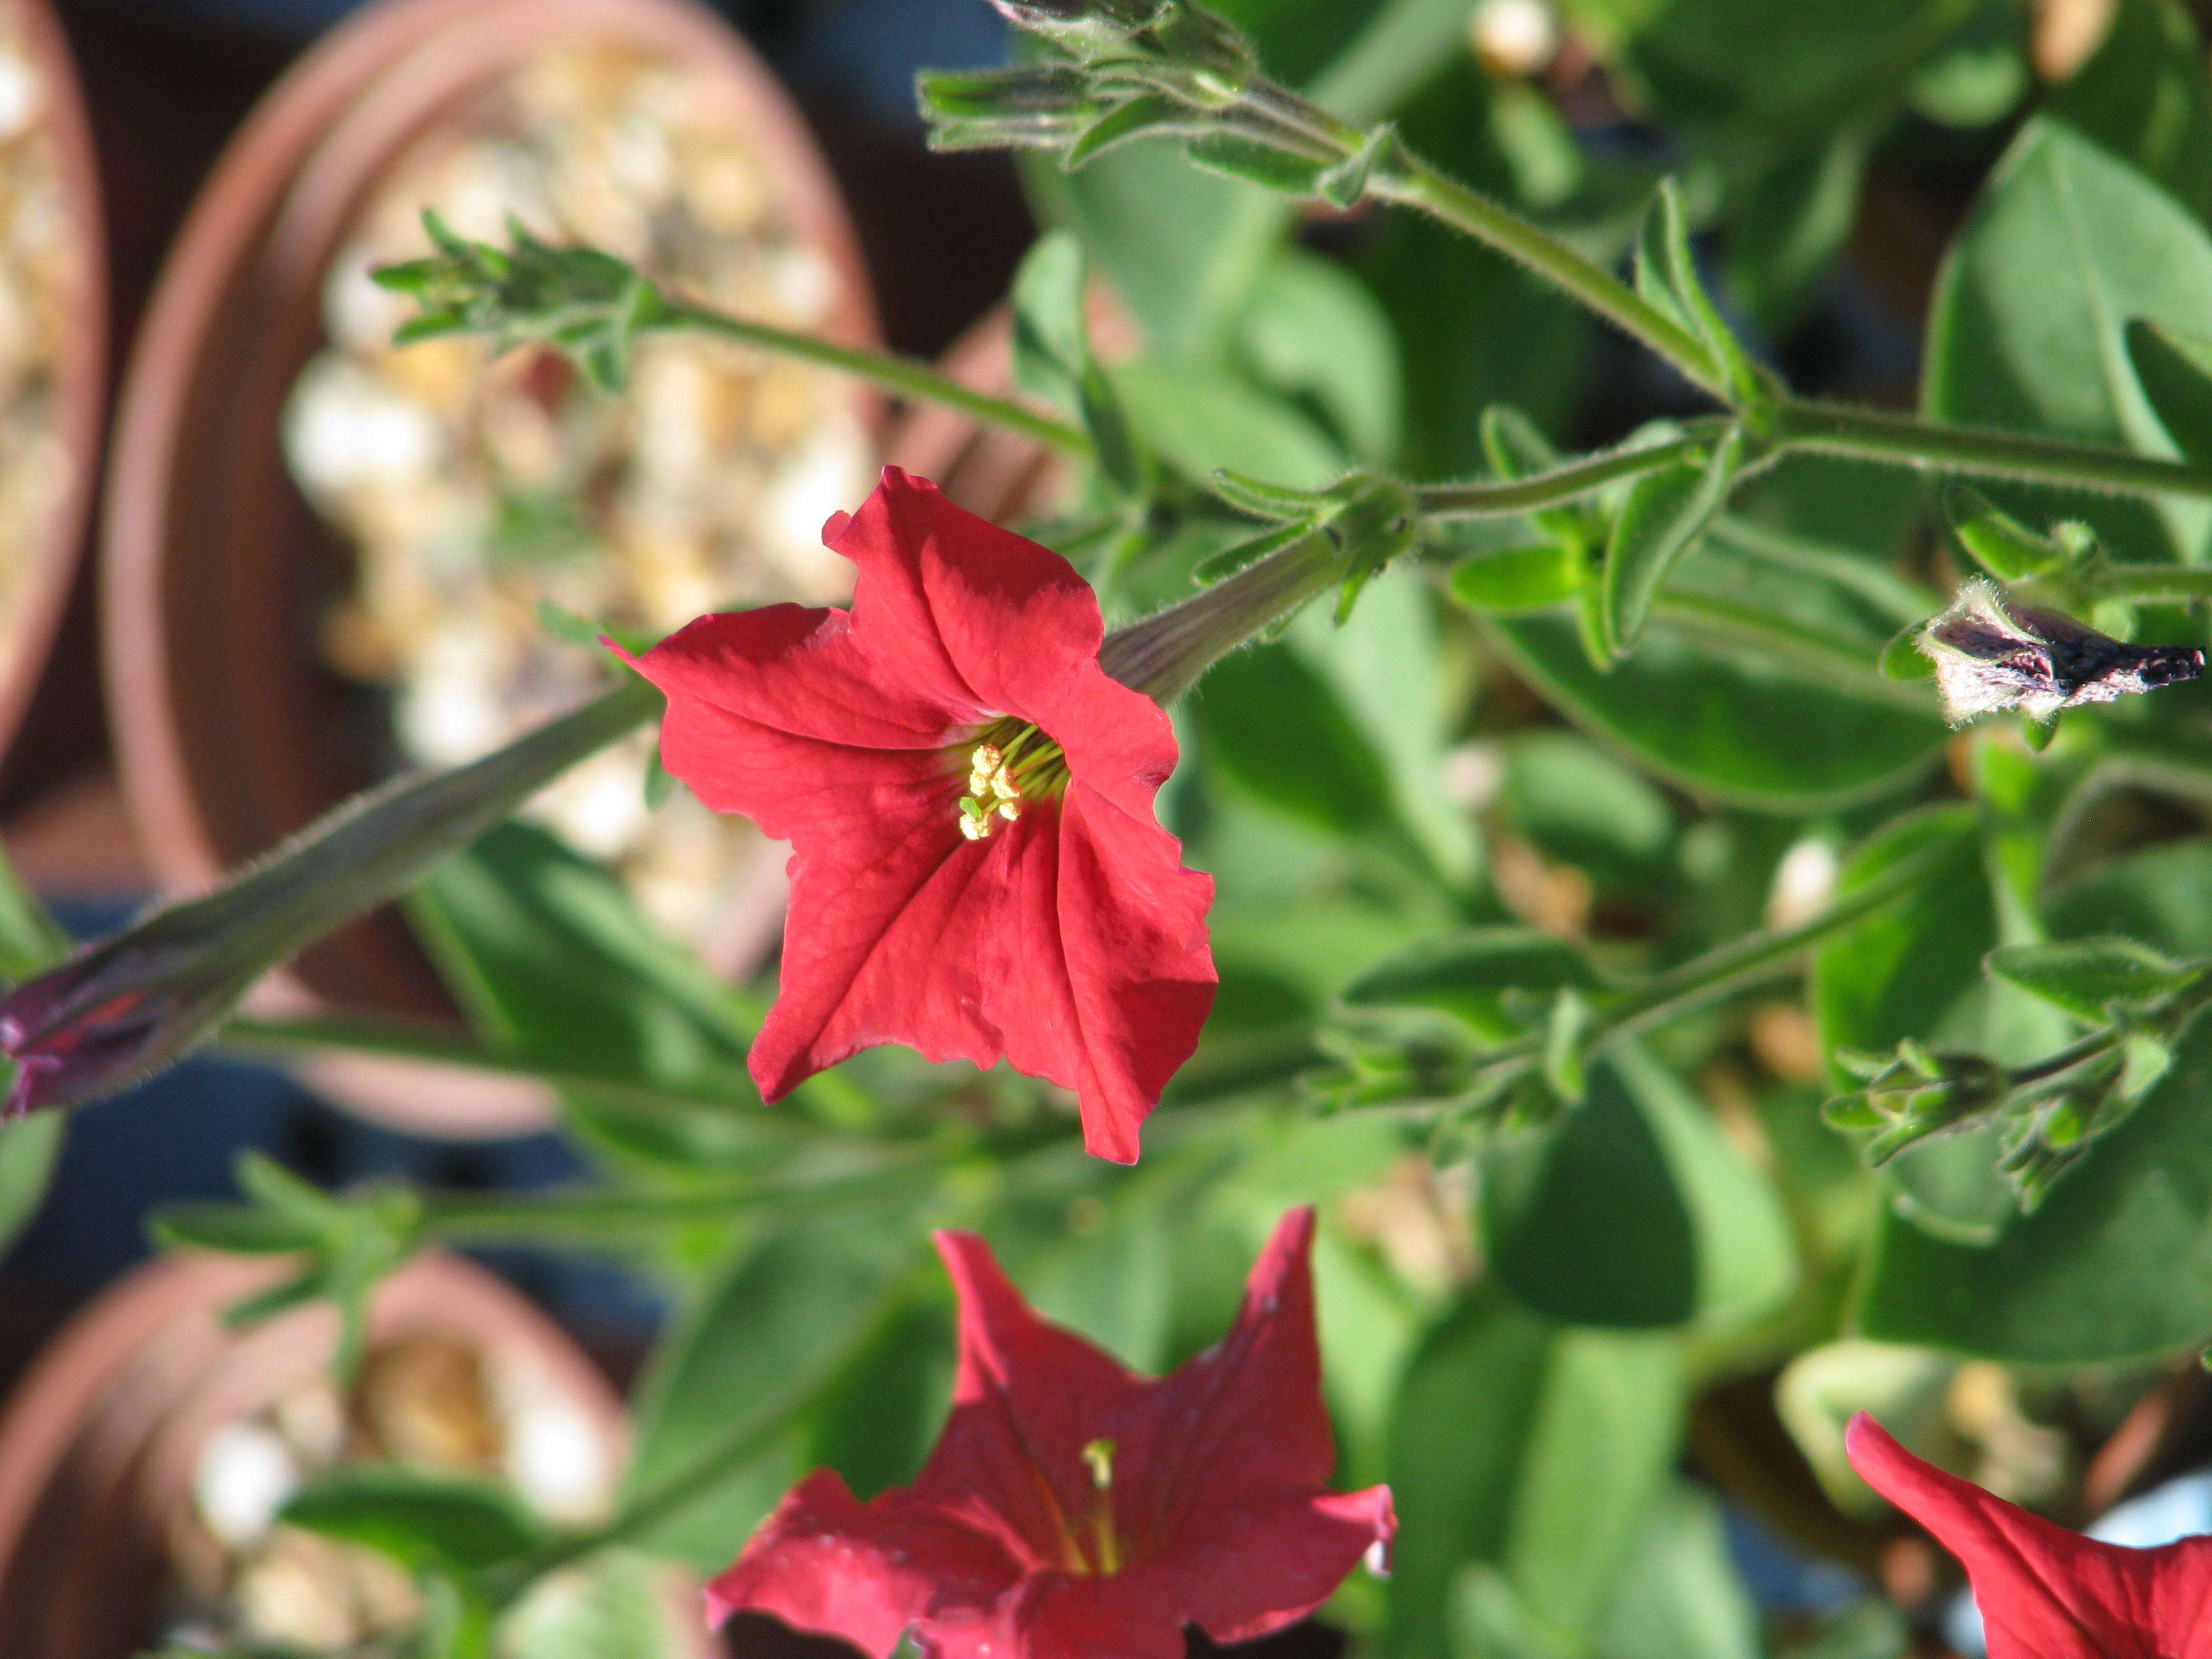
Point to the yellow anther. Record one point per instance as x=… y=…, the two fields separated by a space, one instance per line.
x=989 y=790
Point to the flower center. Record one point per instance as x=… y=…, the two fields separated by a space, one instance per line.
x=1012 y=765
x=1093 y=1546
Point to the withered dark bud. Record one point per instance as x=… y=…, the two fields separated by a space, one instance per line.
x=1991 y=653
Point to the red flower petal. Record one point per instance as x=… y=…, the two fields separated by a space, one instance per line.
x=2046 y=1593
x=866 y=1573
x=967 y=612
x=1071 y=943
x=1276 y=1561
x=1105 y=980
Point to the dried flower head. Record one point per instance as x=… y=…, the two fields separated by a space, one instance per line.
x=1991 y=653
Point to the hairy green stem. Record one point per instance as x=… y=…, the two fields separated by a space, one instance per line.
x=1693 y=986
x=2144 y=584
x=1414 y=182
x=1698 y=983
x=393 y=1040
x=1877 y=434
x=905 y=376
x=476 y=1217
x=1498 y=498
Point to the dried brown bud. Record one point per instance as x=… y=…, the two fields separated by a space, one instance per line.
x=1991 y=653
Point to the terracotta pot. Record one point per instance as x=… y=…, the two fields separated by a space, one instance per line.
x=54 y=559
x=231 y=730
x=99 y=1444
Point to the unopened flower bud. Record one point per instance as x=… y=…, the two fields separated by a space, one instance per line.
x=124 y=1008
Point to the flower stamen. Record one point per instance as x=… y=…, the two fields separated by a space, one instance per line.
x=1099 y=1455
x=1004 y=775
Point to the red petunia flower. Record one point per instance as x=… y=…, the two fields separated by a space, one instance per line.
x=2046 y=1593
x=977 y=871
x=1073 y=1510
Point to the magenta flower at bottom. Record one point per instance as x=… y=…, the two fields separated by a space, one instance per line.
x=1074 y=1510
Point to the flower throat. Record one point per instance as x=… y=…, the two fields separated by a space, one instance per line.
x=1012 y=764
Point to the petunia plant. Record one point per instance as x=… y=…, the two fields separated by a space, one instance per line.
x=1578 y=719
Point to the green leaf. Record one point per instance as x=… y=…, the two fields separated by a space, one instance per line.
x=1539 y=1451
x=553 y=961
x=29 y=1149
x=1566 y=1070
x=767 y=1337
x=1515 y=581
x=2067 y=245
x=1633 y=1211
x=616 y=1606
x=1277 y=728
x=1199 y=418
x=1999 y=543
x=31 y=941
x=2089 y=978
x=1755 y=72
x=1477 y=330
x=1474 y=976
x=1681 y=1596
x=1665 y=513
x=1912 y=971
x=2116 y=1264
x=2174 y=368
x=1051 y=334
x=1667 y=274
x=1578 y=804
x=2143 y=95
x=1053 y=359
x=1790 y=216
x=2162 y=894
x=1398 y=683
x=1235 y=156
x=1733 y=723
x=1312 y=330
x=1181 y=245
x=428 y=1523
x=233 y=1228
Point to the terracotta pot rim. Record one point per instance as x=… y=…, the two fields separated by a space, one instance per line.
x=128 y=1390
x=249 y=184
x=51 y=563
x=258 y=242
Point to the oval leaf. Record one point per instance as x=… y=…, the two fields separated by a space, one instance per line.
x=1734 y=725
x=1665 y=513
x=2088 y=977
x=2174 y=368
